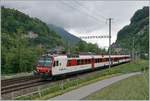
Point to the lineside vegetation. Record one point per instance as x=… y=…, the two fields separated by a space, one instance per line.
x=55 y=90
x=133 y=88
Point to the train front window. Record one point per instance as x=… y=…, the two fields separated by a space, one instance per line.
x=45 y=62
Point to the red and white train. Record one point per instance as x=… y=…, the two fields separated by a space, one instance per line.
x=53 y=65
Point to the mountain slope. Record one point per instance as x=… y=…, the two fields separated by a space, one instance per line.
x=14 y=20
x=67 y=37
x=136 y=34
x=23 y=39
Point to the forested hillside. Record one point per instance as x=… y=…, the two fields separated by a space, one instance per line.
x=23 y=40
x=136 y=34
x=13 y=20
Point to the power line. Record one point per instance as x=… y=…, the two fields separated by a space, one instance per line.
x=103 y=17
x=94 y=37
x=92 y=17
x=87 y=11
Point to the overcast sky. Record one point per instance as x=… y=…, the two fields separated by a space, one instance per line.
x=80 y=17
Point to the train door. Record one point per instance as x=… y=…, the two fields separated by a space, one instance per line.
x=93 y=63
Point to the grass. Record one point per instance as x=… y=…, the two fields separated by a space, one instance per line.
x=56 y=89
x=133 y=88
x=139 y=65
x=10 y=76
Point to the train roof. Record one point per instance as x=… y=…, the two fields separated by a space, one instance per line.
x=83 y=56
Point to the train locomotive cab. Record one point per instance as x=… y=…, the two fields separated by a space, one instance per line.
x=44 y=66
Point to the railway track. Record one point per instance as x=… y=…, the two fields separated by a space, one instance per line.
x=12 y=81
x=18 y=84
x=14 y=84
x=22 y=85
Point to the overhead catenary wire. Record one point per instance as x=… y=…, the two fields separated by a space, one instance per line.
x=86 y=10
x=83 y=12
x=98 y=13
x=97 y=20
x=91 y=16
x=94 y=37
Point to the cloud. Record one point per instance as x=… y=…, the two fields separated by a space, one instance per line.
x=81 y=17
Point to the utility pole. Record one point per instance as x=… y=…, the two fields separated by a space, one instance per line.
x=133 y=57
x=110 y=19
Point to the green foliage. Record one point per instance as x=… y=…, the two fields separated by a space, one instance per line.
x=137 y=86
x=20 y=53
x=12 y=20
x=140 y=14
x=16 y=55
x=137 y=30
x=56 y=89
x=82 y=46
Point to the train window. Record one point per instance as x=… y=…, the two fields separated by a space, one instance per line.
x=86 y=61
x=112 y=59
x=73 y=62
x=96 y=60
x=54 y=64
x=117 y=59
x=82 y=61
x=104 y=59
x=101 y=60
x=68 y=63
x=78 y=62
x=107 y=59
x=89 y=60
